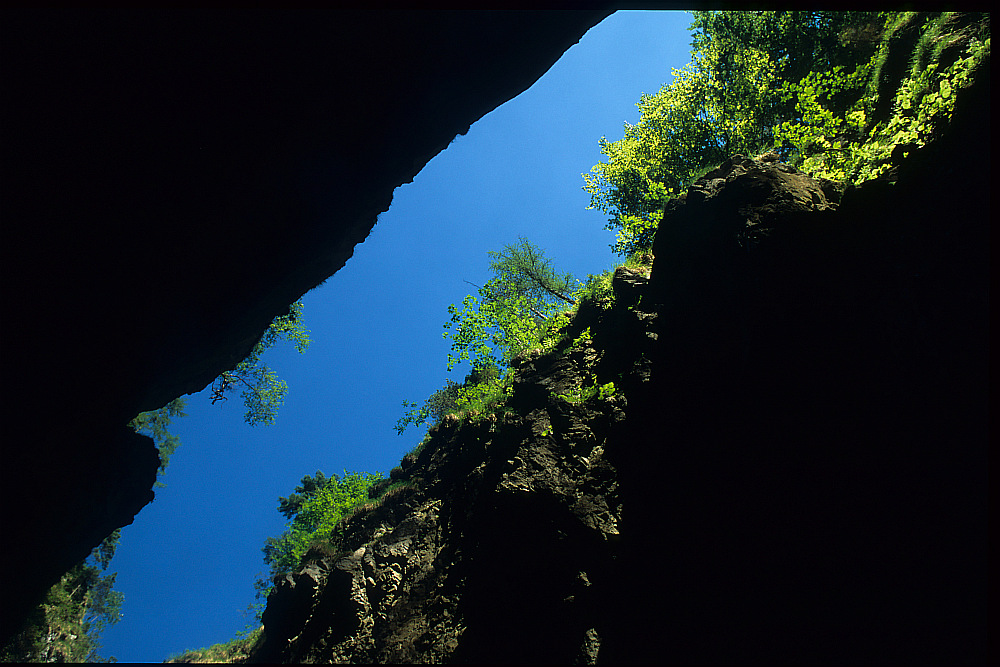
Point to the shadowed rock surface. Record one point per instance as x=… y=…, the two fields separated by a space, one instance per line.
x=792 y=468
x=171 y=182
x=491 y=552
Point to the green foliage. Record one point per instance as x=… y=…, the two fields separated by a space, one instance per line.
x=452 y=398
x=304 y=491
x=726 y=101
x=583 y=394
x=263 y=393
x=522 y=269
x=394 y=489
x=922 y=107
x=482 y=393
x=237 y=650
x=518 y=309
x=806 y=84
x=820 y=134
x=599 y=289
x=585 y=338
x=483 y=397
x=155 y=424
x=314 y=510
x=313 y=517
x=483 y=327
x=67 y=625
x=511 y=312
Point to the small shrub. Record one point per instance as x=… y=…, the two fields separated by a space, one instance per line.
x=598 y=290
x=583 y=394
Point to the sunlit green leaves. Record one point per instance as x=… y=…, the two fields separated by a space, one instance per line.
x=923 y=105
x=67 y=625
x=316 y=517
x=728 y=100
x=820 y=118
x=263 y=393
x=155 y=424
x=512 y=308
x=516 y=310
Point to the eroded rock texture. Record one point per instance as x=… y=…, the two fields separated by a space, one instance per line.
x=172 y=180
x=491 y=556
x=792 y=469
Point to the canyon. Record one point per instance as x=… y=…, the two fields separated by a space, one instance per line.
x=173 y=180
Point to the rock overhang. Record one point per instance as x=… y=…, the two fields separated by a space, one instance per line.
x=167 y=178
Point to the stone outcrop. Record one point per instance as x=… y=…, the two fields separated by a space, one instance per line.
x=491 y=550
x=814 y=427
x=172 y=181
x=792 y=467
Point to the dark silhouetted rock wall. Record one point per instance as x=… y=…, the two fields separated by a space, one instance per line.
x=172 y=180
x=792 y=469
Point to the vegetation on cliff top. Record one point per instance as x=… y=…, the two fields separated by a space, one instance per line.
x=520 y=307
x=313 y=512
x=808 y=85
x=823 y=89
x=829 y=91
x=236 y=651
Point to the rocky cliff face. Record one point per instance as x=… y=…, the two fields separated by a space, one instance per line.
x=792 y=466
x=172 y=181
x=499 y=547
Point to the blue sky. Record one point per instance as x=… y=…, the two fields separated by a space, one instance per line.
x=187 y=564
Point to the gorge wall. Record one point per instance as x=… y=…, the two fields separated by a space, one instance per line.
x=792 y=466
x=172 y=180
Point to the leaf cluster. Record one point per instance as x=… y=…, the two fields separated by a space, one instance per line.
x=262 y=392
x=67 y=625
x=582 y=394
x=513 y=309
x=313 y=512
x=155 y=424
x=599 y=289
x=518 y=309
x=727 y=100
x=822 y=123
x=922 y=105
x=522 y=269
x=452 y=398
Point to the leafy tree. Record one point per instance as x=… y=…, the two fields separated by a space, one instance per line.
x=154 y=424
x=263 y=393
x=512 y=308
x=67 y=625
x=513 y=312
x=449 y=399
x=314 y=511
x=523 y=269
x=798 y=42
x=727 y=100
x=306 y=490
